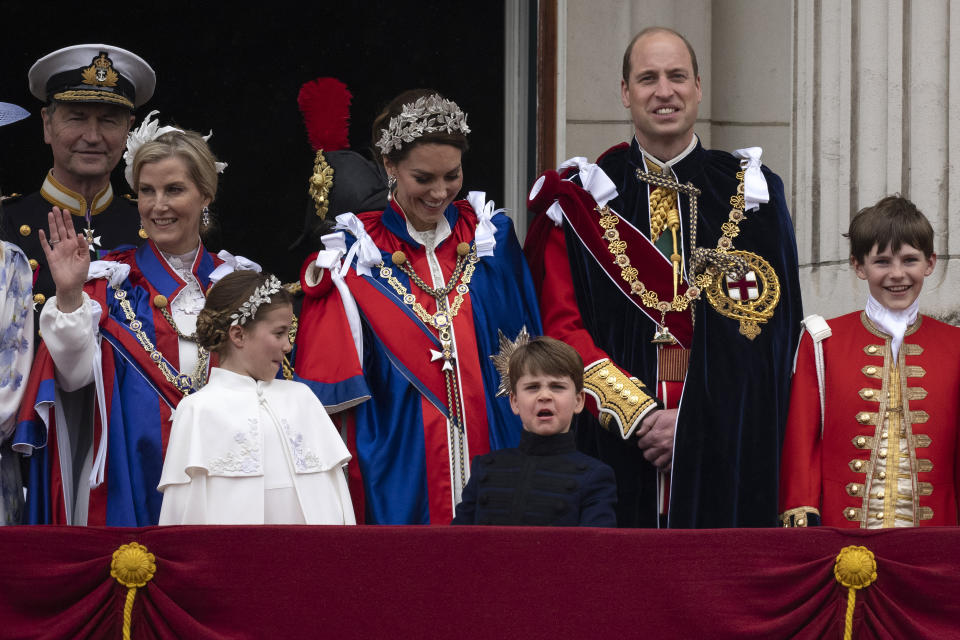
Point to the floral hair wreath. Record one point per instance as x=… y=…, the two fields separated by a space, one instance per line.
x=147 y=131
x=429 y=114
x=261 y=295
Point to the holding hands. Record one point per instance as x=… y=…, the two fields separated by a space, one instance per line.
x=68 y=258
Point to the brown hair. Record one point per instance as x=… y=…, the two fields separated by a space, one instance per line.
x=393 y=109
x=648 y=31
x=546 y=356
x=224 y=299
x=892 y=222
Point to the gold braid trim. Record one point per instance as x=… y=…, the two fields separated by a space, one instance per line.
x=797 y=517
x=621 y=397
x=86 y=96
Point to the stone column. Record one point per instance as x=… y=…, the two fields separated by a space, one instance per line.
x=872 y=117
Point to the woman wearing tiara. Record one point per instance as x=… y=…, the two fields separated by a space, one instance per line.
x=401 y=316
x=119 y=342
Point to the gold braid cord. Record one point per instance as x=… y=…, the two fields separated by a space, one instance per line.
x=854 y=568
x=621 y=397
x=798 y=517
x=132 y=566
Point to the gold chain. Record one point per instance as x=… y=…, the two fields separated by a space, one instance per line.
x=441 y=319
x=186 y=384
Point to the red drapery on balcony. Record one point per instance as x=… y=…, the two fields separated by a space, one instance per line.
x=476 y=582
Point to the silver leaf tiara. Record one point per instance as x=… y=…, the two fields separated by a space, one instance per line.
x=261 y=295
x=429 y=114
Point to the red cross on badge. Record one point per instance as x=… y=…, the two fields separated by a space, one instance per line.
x=745 y=289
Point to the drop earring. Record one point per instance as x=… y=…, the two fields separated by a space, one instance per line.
x=391 y=185
x=205 y=217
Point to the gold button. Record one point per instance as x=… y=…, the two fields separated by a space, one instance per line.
x=872 y=349
x=858 y=465
x=868 y=393
x=624 y=394
x=801 y=521
x=861 y=441
x=855 y=489
x=603 y=373
x=851 y=513
x=883 y=435
x=34 y=264
x=883 y=475
x=879 y=515
x=39 y=298
x=863 y=417
x=160 y=301
x=880 y=494
x=25 y=230
x=871 y=371
x=618 y=387
x=634 y=400
x=883 y=453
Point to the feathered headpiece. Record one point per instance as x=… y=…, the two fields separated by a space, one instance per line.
x=325 y=105
x=147 y=131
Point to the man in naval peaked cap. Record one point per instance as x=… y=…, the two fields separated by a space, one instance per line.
x=90 y=91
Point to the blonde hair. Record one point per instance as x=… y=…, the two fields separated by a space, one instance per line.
x=190 y=147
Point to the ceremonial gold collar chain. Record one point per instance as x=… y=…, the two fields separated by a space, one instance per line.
x=186 y=384
x=442 y=321
x=704 y=263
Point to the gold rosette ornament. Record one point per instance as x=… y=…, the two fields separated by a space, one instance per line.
x=855 y=568
x=132 y=566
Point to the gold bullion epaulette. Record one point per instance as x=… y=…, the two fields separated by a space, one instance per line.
x=798 y=517
x=622 y=399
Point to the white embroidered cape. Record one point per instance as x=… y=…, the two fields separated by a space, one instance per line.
x=243 y=451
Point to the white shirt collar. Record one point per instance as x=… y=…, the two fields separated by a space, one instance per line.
x=669 y=163
x=893 y=323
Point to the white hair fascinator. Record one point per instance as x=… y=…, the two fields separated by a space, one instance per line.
x=149 y=130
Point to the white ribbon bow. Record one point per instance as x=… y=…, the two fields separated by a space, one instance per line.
x=232 y=263
x=593 y=179
x=330 y=259
x=114 y=272
x=755 y=190
x=364 y=249
x=486 y=231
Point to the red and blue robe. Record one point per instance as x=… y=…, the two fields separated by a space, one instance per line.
x=399 y=435
x=139 y=401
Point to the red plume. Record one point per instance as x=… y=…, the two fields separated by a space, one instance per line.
x=325 y=105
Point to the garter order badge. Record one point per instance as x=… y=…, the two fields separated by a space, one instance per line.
x=752 y=299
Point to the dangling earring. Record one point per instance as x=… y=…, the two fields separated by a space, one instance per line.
x=142 y=232
x=391 y=185
x=205 y=217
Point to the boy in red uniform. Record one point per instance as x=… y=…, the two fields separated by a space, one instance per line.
x=872 y=431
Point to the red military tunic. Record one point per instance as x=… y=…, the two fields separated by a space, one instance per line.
x=888 y=452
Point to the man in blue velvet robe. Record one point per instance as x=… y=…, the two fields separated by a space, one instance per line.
x=672 y=269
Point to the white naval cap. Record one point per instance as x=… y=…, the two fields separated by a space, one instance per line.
x=93 y=73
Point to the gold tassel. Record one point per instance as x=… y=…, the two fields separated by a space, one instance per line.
x=854 y=568
x=132 y=566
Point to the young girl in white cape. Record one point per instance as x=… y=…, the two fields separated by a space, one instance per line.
x=249 y=448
